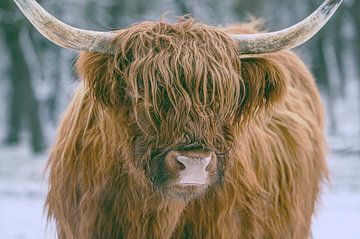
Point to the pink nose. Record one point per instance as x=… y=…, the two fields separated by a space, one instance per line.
x=192 y=168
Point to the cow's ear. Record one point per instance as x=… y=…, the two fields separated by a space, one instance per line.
x=264 y=84
x=100 y=80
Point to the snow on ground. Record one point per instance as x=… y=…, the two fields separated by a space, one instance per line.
x=338 y=215
x=22 y=195
x=23 y=187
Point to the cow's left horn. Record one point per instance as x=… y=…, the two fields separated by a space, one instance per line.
x=63 y=34
x=290 y=37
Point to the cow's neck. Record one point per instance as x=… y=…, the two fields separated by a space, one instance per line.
x=150 y=217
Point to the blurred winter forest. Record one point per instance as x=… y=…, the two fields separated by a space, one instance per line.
x=37 y=77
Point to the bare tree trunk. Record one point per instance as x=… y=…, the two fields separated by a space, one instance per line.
x=23 y=108
x=321 y=73
x=355 y=14
x=16 y=103
x=53 y=99
x=339 y=47
x=356 y=19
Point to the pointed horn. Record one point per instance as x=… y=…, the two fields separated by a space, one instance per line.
x=63 y=34
x=290 y=37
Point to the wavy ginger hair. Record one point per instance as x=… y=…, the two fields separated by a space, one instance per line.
x=173 y=84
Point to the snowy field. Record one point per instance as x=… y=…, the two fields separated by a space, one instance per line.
x=23 y=187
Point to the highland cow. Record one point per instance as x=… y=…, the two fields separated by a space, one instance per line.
x=182 y=130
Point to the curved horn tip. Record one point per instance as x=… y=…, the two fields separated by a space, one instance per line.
x=331 y=4
x=62 y=34
x=335 y=2
x=290 y=37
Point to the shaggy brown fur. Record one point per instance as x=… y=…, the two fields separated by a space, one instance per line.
x=173 y=84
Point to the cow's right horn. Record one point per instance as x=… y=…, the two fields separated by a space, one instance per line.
x=290 y=37
x=63 y=34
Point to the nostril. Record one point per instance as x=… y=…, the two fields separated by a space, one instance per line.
x=174 y=163
x=180 y=164
x=211 y=165
x=207 y=163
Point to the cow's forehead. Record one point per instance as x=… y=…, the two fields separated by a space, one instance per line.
x=185 y=34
